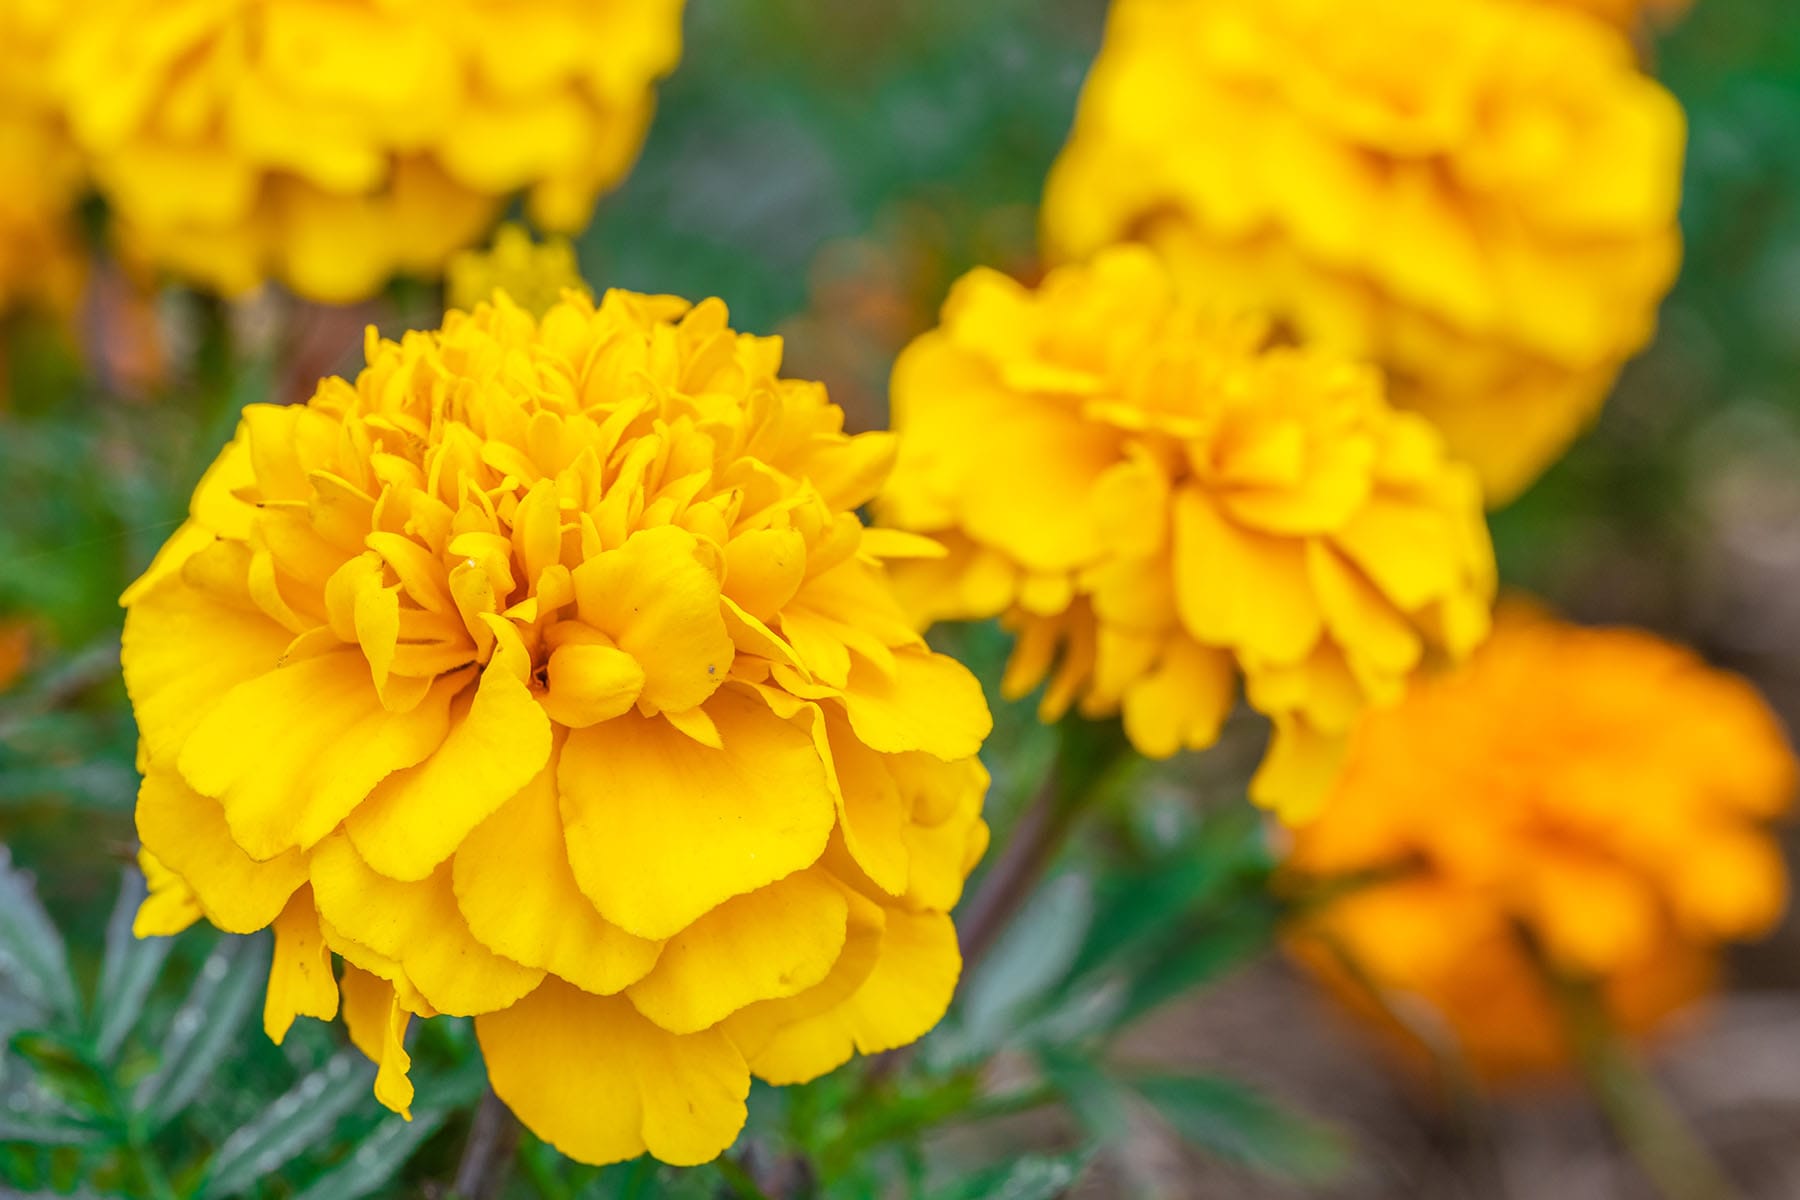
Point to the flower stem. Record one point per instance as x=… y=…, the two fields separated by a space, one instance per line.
x=487 y=1155
x=1085 y=755
x=1648 y=1124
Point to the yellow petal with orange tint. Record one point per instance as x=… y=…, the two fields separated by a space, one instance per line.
x=747 y=815
x=187 y=833
x=288 y=782
x=415 y=818
x=300 y=980
x=776 y=941
x=602 y=1084
x=539 y=916
x=419 y=926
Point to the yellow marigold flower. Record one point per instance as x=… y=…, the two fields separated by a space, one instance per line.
x=40 y=173
x=1158 y=500
x=1599 y=789
x=1478 y=195
x=545 y=674
x=331 y=146
x=534 y=274
x=1629 y=14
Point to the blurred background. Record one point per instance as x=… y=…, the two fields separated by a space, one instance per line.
x=829 y=169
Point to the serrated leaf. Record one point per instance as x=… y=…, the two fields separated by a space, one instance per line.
x=205 y=1027
x=128 y=970
x=1030 y=1177
x=1031 y=958
x=1236 y=1123
x=377 y=1159
x=289 y=1126
x=34 y=963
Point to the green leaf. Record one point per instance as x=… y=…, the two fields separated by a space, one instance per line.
x=1030 y=1177
x=1205 y=952
x=1235 y=1123
x=34 y=964
x=30 y=1113
x=289 y=1126
x=1097 y=1102
x=128 y=970
x=377 y=1159
x=1031 y=958
x=205 y=1027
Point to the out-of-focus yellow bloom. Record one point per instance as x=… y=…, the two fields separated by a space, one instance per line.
x=1628 y=14
x=533 y=274
x=1478 y=195
x=1157 y=500
x=331 y=146
x=40 y=173
x=1600 y=792
x=15 y=651
x=545 y=674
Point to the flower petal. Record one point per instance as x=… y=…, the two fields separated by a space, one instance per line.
x=377 y=1026
x=661 y=829
x=419 y=926
x=661 y=605
x=776 y=941
x=415 y=818
x=186 y=832
x=300 y=979
x=288 y=782
x=930 y=703
x=1238 y=588
x=602 y=1084
x=539 y=916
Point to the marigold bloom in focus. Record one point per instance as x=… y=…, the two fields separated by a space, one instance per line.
x=40 y=172
x=1158 y=500
x=332 y=146
x=1478 y=195
x=545 y=674
x=1598 y=789
x=533 y=274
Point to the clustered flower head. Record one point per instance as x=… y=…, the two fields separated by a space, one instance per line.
x=40 y=172
x=545 y=674
x=331 y=146
x=1583 y=803
x=1158 y=500
x=1478 y=195
x=534 y=275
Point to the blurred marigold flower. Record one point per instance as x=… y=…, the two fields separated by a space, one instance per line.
x=41 y=263
x=1629 y=14
x=533 y=274
x=545 y=674
x=331 y=146
x=1478 y=195
x=1590 y=798
x=1157 y=499
x=15 y=651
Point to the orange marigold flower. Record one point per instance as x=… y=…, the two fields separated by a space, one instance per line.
x=1629 y=14
x=1600 y=790
x=40 y=172
x=1158 y=499
x=545 y=674
x=1478 y=195
x=331 y=146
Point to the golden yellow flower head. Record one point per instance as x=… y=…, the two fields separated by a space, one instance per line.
x=1600 y=790
x=546 y=674
x=1158 y=500
x=534 y=274
x=40 y=173
x=331 y=146
x=1478 y=195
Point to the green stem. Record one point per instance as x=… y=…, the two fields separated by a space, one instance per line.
x=1648 y=1124
x=738 y=1178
